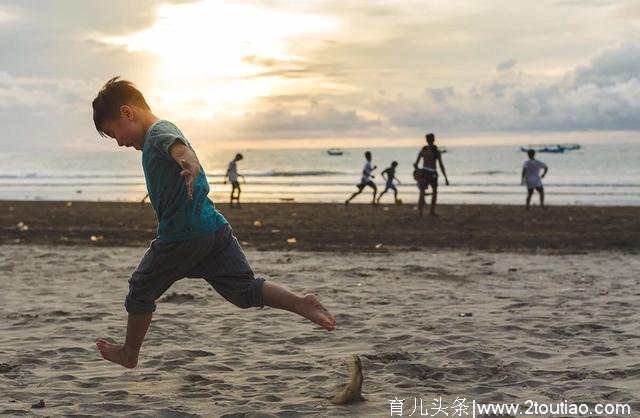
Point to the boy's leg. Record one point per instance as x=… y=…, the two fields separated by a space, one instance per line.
x=226 y=268
x=383 y=192
x=308 y=306
x=529 y=194
x=434 y=198
x=375 y=191
x=162 y=265
x=395 y=194
x=541 y=192
x=127 y=355
x=354 y=195
x=421 y=201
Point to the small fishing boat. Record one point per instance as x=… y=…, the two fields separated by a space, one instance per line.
x=553 y=149
x=335 y=151
x=570 y=147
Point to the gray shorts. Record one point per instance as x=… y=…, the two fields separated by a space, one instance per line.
x=217 y=258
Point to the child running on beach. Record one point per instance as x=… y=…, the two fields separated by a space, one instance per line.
x=390 y=176
x=232 y=175
x=366 y=179
x=193 y=238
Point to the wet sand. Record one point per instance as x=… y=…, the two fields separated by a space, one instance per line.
x=331 y=227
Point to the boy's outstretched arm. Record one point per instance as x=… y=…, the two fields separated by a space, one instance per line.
x=444 y=173
x=189 y=163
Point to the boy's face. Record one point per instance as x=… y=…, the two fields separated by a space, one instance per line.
x=125 y=129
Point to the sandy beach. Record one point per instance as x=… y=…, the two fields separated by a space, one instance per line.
x=333 y=227
x=495 y=305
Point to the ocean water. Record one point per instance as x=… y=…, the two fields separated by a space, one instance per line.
x=597 y=174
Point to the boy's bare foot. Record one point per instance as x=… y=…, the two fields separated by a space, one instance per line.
x=116 y=353
x=311 y=308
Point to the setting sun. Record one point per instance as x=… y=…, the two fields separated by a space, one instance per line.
x=208 y=52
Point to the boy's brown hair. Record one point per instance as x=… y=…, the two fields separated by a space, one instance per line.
x=114 y=94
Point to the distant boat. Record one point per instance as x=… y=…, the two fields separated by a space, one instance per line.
x=335 y=151
x=570 y=147
x=553 y=149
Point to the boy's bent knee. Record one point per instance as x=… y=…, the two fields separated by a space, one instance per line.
x=136 y=306
x=249 y=296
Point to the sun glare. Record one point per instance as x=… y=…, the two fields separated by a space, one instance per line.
x=202 y=50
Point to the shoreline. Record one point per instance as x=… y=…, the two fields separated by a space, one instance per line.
x=334 y=227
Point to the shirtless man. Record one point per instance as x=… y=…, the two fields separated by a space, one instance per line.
x=428 y=174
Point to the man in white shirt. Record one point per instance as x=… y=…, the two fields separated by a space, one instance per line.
x=232 y=175
x=366 y=179
x=531 y=175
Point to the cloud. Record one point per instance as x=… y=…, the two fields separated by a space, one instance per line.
x=316 y=120
x=506 y=65
x=617 y=65
x=603 y=95
x=457 y=66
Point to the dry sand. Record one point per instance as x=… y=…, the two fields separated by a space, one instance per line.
x=543 y=327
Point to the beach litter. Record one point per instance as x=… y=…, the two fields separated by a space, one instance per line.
x=69 y=204
x=465 y=314
x=96 y=238
x=378 y=246
x=275 y=231
x=512 y=269
x=257 y=224
x=22 y=226
x=291 y=241
x=353 y=391
x=38 y=405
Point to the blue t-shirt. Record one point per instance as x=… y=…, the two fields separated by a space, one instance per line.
x=178 y=217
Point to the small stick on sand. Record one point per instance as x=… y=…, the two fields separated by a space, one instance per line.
x=353 y=391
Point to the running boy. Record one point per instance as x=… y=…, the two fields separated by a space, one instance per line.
x=531 y=173
x=232 y=175
x=366 y=179
x=390 y=176
x=193 y=238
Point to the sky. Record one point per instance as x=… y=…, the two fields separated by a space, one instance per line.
x=320 y=73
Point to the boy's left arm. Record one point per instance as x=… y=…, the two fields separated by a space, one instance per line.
x=444 y=173
x=189 y=163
